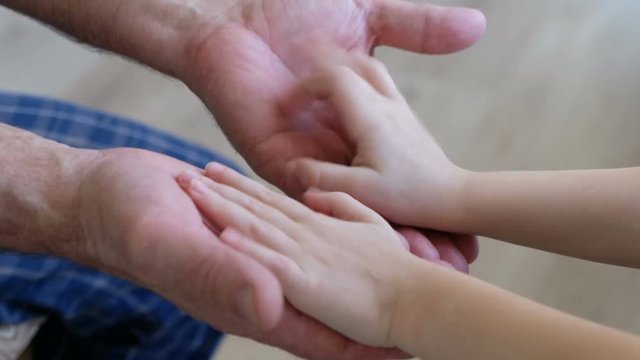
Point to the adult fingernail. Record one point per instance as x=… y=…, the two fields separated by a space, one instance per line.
x=244 y=301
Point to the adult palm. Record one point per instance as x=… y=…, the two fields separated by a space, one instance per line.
x=245 y=60
x=138 y=223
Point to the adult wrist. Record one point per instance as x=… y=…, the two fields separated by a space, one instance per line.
x=69 y=239
x=38 y=192
x=157 y=33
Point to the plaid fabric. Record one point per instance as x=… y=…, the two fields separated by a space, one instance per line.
x=92 y=315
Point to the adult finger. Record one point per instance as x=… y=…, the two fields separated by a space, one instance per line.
x=419 y=244
x=448 y=250
x=310 y=339
x=425 y=28
x=468 y=246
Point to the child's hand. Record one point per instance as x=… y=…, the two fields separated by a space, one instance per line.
x=342 y=254
x=397 y=168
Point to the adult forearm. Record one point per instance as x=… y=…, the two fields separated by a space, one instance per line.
x=38 y=186
x=446 y=315
x=592 y=214
x=154 y=32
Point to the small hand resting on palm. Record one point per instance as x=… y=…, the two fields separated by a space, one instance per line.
x=332 y=248
x=340 y=262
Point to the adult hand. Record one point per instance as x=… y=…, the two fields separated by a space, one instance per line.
x=243 y=57
x=245 y=62
x=246 y=58
x=138 y=223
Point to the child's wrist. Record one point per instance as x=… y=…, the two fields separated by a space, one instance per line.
x=460 y=216
x=446 y=207
x=469 y=210
x=413 y=277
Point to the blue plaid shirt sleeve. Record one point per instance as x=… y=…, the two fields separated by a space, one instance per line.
x=92 y=315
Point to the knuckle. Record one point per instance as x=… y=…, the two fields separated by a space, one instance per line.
x=259 y=228
x=252 y=205
x=265 y=195
x=297 y=211
x=284 y=265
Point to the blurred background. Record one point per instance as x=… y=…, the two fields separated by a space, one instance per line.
x=552 y=85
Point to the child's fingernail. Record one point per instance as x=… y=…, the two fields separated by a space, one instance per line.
x=198 y=186
x=230 y=235
x=214 y=168
x=185 y=178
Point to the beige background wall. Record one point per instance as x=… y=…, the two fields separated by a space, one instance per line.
x=553 y=85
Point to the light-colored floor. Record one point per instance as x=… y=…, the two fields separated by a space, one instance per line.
x=553 y=85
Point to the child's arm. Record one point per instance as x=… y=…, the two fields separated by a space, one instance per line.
x=592 y=214
x=447 y=316
x=349 y=271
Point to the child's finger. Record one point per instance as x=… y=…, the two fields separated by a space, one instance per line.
x=283 y=267
x=349 y=93
x=365 y=65
x=258 y=208
x=341 y=206
x=224 y=213
x=310 y=173
x=374 y=71
x=227 y=176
